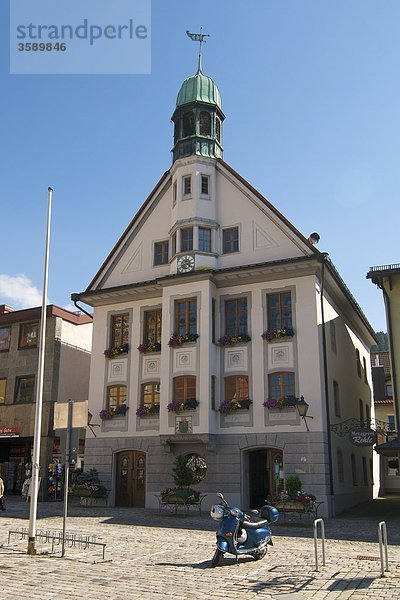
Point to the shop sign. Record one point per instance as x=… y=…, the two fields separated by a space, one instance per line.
x=9 y=431
x=363 y=437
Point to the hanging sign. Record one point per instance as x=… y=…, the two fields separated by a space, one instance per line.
x=9 y=431
x=363 y=437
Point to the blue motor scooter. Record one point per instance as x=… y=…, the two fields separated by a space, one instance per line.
x=242 y=532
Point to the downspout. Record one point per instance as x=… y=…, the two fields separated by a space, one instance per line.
x=75 y=298
x=325 y=361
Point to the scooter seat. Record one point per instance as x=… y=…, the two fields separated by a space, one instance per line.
x=254 y=522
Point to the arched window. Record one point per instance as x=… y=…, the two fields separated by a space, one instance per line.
x=116 y=398
x=184 y=388
x=188 y=124
x=281 y=385
x=205 y=123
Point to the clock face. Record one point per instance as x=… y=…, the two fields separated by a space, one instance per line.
x=185 y=264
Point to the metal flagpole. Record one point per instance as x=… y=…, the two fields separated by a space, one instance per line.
x=39 y=393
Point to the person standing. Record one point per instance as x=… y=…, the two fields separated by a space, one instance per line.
x=2 y=507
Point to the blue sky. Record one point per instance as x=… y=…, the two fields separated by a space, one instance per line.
x=311 y=93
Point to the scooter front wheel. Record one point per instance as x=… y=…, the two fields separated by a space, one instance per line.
x=260 y=555
x=217 y=558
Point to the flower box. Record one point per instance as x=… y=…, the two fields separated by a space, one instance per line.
x=229 y=406
x=275 y=334
x=149 y=347
x=148 y=411
x=177 y=340
x=232 y=340
x=176 y=406
x=117 y=351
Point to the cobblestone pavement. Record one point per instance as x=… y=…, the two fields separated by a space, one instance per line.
x=149 y=555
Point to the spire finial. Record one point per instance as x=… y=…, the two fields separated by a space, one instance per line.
x=198 y=37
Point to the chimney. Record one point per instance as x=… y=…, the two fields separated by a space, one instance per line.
x=4 y=309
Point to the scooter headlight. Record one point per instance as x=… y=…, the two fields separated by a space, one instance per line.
x=217 y=512
x=236 y=513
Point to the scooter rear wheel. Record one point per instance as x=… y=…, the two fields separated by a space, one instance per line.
x=217 y=558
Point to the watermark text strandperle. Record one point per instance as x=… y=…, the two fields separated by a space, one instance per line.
x=84 y=31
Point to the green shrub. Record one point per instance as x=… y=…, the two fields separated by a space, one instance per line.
x=293 y=485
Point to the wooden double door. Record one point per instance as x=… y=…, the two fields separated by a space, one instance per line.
x=130 y=484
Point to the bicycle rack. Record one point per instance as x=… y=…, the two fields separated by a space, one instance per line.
x=315 y=528
x=382 y=535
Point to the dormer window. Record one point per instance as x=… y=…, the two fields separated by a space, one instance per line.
x=205 y=123
x=188 y=124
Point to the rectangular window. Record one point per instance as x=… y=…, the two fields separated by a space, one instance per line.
x=204 y=239
x=28 y=335
x=161 y=253
x=361 y=409
x=354 y=469
x=367 y=416
x=187 y=185
x=389 y=390
x=213 y=320
x=280 y=385
x=152 y=326
x=3 y=388
x=236 y=387
x=119 y=330
x=336 y=399
x=230 y=240
x=340 y=466
x=116 y=397
x=174 y=193
x=5 y=338
x=205 y=185
x=236 y=316
x=151 y=394
x=391 y=423
x=358 y=361
x=184 y=388
x=213 y=390
x=186 y=316
x=173 y=245
x=365 y=470
x=279 y=310
x=187 y=239
x=365 y=369
x=25 y=389
x=333 y=336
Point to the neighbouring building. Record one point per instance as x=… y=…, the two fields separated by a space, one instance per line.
x=385 y=422
x=387 y=278
x=213 y=317
x=66 y=376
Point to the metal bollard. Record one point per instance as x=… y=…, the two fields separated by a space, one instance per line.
x=382 y=535
x=315 y=528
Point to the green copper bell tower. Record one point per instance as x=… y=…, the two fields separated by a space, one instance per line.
x=198 y=118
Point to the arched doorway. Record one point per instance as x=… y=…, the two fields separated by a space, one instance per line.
x=265 y=475
x=130 y=483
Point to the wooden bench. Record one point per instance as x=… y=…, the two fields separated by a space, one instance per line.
x=174 y=501
x=289 y=505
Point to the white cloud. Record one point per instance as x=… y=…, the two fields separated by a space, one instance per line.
x=19 y=291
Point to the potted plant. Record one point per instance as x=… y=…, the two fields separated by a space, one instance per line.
x=184 y=478
x=279 y=403
x=111 y=412
x=87 y=486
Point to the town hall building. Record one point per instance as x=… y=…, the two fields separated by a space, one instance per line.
x=216 y=324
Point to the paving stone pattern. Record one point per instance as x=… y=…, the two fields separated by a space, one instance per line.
x=149 y=555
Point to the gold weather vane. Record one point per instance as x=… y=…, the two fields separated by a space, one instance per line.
x=198 y=37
